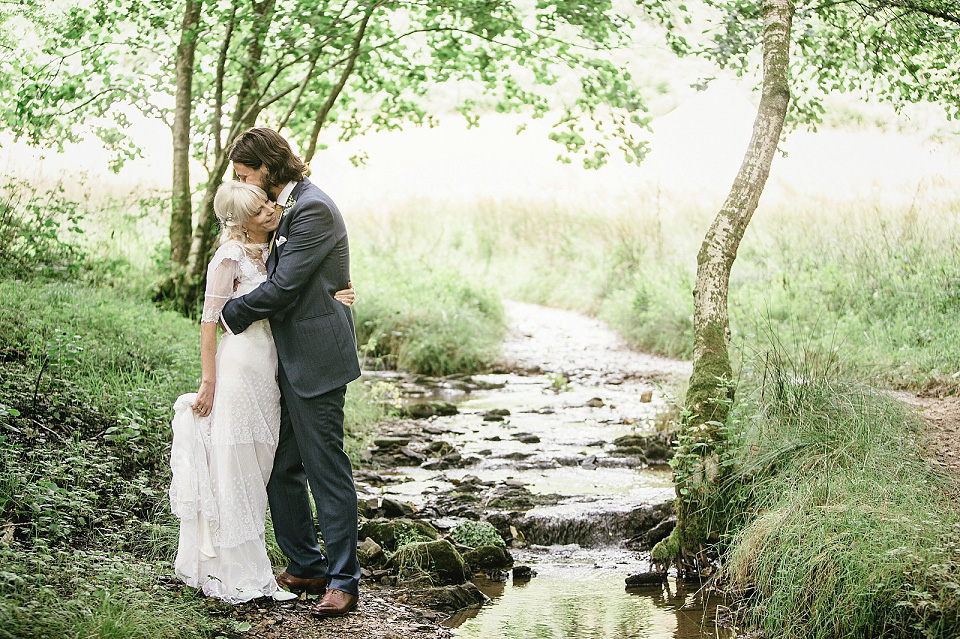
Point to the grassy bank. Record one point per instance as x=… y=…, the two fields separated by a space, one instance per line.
x=88 y=379
x=842 y=528
x=424 y=317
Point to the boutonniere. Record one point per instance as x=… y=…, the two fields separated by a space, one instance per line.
x=282 y=208
x=281 y=240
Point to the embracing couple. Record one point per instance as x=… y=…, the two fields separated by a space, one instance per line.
x=267 y=419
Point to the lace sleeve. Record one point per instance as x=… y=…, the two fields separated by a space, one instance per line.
x=223 y=271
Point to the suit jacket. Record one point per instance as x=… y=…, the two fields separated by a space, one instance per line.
x=309 y=262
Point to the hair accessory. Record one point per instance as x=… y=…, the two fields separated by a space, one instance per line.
x=229 y=221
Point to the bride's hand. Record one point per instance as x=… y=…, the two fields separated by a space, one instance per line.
x=204 y=403
x=347 y=296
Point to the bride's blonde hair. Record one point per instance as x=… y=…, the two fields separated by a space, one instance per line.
x=234 y=204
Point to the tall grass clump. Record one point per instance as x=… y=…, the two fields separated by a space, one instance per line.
x=423 y=317
x=843 y=530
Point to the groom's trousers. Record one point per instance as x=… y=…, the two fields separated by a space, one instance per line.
x=311 y=450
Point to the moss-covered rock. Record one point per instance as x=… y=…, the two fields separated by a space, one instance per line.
x=391 y=534
x=488 y=558
x=370 y=553
x=476 y=534
x=438 y=559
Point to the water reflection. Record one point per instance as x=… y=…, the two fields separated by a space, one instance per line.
x=587 y=602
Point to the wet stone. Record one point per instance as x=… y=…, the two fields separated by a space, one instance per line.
x=451 y=598
x=368 y=507
x=453 y=460
x=595 y=402
x=645 y=579
x=369 y=553
x=523 y=573
x=429 y=409
x=491 y=417
x=406 y=451
x=646 y=396
x=629 y=441
x=488 y=558
x=526 y=438
x=393 y=508
x=440 y=448
x=389 y=443
x=435 y=429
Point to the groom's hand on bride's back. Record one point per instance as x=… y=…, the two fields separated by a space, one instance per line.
x=347 y=296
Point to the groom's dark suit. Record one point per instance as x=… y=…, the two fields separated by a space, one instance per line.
x=316 y=346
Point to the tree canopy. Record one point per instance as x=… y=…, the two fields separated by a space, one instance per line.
x=899 y=51
x=299 y=66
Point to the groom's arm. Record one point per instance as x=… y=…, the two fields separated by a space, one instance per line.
x=313 y=232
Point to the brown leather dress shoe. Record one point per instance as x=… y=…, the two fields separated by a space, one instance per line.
x=335 y=603
x=299 y=584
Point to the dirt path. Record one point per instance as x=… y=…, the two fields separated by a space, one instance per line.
x=943 y=415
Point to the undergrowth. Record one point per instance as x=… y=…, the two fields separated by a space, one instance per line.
x=423 y=317
x=87 y=384
x=840 y=528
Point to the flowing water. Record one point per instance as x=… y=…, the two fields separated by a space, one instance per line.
x=579 y=389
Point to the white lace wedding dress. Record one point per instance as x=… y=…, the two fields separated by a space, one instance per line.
x=221 y=463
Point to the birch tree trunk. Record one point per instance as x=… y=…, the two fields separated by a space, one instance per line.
x=703 y=438
x=181 y=216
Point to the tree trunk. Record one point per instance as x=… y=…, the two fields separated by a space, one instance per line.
x=703 y=437
x=190 y=291
x=181 y=222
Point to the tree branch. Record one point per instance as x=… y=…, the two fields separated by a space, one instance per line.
x=218 y=91
x=335 y=92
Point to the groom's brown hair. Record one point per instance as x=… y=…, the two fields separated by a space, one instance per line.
x=259 y=146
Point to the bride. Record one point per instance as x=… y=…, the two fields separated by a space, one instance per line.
x=225 y=435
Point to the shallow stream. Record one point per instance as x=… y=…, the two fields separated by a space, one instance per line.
x=577 y=390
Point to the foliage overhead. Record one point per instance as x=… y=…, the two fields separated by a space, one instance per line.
x=361 y=65
x=900 y=51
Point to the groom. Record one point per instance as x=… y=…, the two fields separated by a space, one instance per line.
x=316 y=344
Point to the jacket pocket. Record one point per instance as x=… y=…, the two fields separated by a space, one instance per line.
x=321 y=339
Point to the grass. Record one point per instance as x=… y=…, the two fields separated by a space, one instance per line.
x=425 y=318
x=843 y=529
x=88 y=379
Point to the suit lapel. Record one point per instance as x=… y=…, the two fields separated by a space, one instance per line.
x=284 y=225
